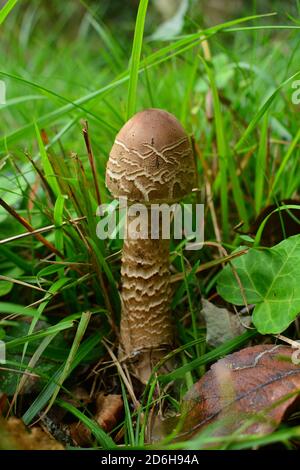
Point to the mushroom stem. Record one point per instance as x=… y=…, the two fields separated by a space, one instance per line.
x=151 y=162
x=146 y=324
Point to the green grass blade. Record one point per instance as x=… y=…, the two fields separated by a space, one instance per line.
x=260 y=113
x=191 y=307
x=85 y=348
x=83 y=324
x=263 y=27
x=284 y=162
x=209 y=357
x=136 y=57
x=48 y=170
x=104 y=439
x=154 y=59
x=52 y=330
x=222 y=148
x=15 y=259
x=263 y=224
x=52 y=94
x=9 y=5
x=15 y=309
x=58 y=221
x=261 y=161
x=226 y=160
x=128 y=417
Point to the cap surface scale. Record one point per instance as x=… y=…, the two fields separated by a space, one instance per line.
x=151 y=159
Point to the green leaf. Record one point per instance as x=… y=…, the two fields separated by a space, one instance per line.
x=268 y=278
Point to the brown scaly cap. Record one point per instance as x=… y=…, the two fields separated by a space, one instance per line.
x=151 y=159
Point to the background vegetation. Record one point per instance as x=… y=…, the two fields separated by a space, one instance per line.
x=227 y=74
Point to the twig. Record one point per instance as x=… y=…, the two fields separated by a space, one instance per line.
x=22 y=283
x=27 y=225
x=210 y=264
x=85 y=132
x=38 y=230
x=123 y=375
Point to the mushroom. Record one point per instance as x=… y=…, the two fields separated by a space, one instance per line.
x=151 y=161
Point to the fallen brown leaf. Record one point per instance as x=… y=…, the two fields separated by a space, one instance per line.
x=14 y=435
x=221 y=324
x=251 y=391
x=109 y=409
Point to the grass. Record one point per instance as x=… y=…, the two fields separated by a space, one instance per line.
x=230 y=84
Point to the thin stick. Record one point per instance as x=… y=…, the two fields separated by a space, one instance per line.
x=210 y=264
x=213 y=214
x=85 y=132
x=38 y=230
x=293 y=343
x=22 y=283
x=123 y=375
x=27 y=225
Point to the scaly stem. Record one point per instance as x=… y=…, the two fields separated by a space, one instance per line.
x=146 y=325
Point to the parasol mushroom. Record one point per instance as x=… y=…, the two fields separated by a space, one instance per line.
x=151 y=161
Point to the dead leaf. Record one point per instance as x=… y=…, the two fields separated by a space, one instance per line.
x=14 y=435
x=78 y=397
x=222 y=325
x=80 y=434
x=253 y=389
x=109 y=409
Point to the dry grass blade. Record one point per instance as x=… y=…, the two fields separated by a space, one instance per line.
x=38 y=230
x=87 y=141
x=180 y=276
x=126 y=381
x=27 y=225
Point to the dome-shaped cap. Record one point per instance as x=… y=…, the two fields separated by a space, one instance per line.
x=151 y=159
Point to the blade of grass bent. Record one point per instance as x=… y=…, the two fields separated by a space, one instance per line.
x=262 y=111
x=104 y=439
x=38 y=404
x=83 y=324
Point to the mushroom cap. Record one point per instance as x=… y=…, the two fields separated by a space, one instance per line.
x=151 y=159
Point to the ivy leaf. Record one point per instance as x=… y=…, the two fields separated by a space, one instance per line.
x=270 y=279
